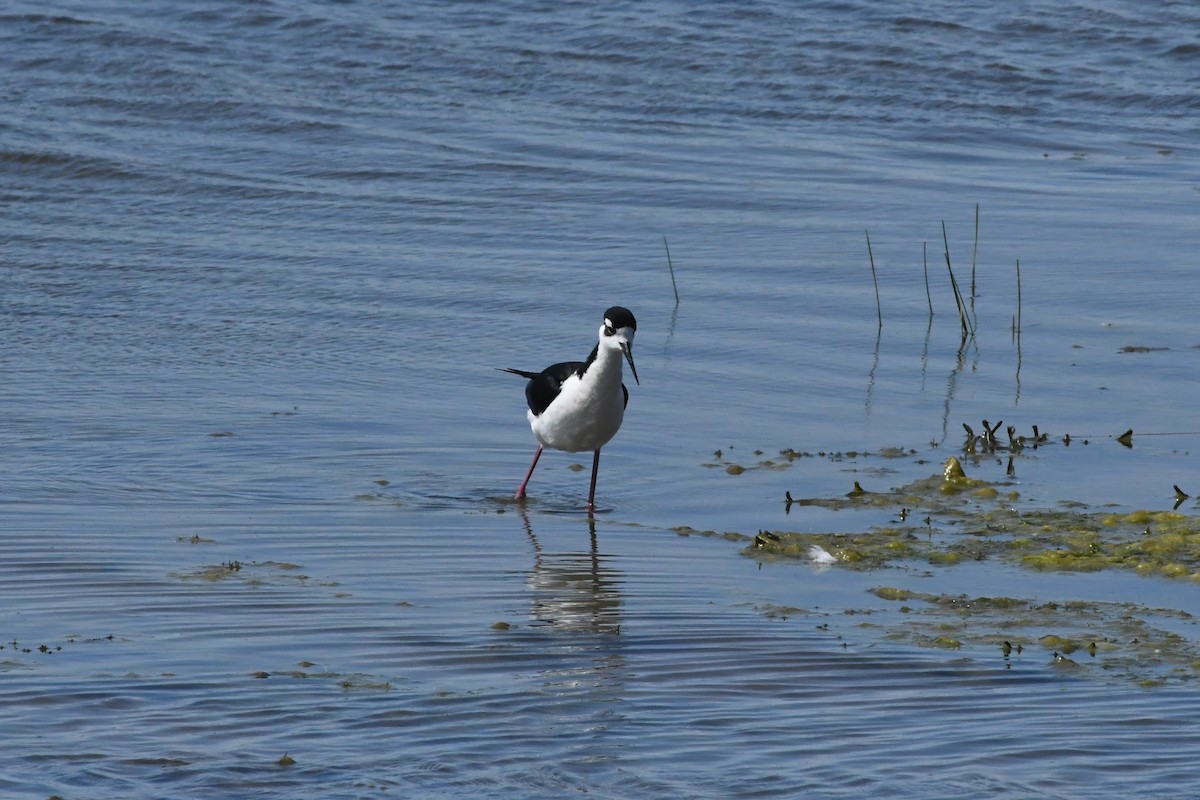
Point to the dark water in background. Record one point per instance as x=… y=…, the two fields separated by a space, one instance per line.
x=259 y=258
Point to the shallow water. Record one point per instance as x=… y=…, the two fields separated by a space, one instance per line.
x=259 y=263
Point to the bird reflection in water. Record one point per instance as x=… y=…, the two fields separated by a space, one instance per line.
x=574 y=591
x=574 y=645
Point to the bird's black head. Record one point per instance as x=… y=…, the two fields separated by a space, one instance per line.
x=619 y=317
x=617 y=333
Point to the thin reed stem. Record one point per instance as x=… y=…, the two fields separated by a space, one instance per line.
x=974 y=254
x=1018 y=295
x=875 y=279
x=671 y=267
x=963 y=319
x=925 y=262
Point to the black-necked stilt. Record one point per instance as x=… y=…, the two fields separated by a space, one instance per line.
x=578 y=405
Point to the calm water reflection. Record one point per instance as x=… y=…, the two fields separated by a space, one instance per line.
x=574 y=591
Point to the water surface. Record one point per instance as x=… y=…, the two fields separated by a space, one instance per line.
x=260 y=261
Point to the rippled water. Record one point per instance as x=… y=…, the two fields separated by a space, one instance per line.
x=259 y=261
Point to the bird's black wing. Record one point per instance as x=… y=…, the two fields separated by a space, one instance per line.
x=544 y=386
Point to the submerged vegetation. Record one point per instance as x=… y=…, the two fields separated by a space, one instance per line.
x=1120 y=639
x=257 y=573
x=952 y=523
x=962 y=518
x=951 y=517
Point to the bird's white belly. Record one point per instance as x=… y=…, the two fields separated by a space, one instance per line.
x=583 y=422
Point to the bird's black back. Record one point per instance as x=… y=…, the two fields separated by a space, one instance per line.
x=544 y=386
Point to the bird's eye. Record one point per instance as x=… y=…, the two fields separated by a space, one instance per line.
x=608 y=329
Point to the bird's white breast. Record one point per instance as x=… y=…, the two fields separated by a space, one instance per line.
x=586 y=414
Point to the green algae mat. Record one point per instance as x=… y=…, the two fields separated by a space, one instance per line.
x=949 y=518
x=966 y=518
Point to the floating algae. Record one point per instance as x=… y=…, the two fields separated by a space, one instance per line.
x=1159 y=543
x=950 y=517
x=257 y=573
x=788 y=455
x=972 y=519
x=871 y=549
x=1125 y=640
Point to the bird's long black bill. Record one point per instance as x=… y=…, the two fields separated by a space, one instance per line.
x=628 y=350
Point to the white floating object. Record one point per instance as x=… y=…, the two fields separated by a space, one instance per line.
x=820 y=555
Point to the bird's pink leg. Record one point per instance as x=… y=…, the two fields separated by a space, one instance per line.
x=595 y=471
x=528 y=475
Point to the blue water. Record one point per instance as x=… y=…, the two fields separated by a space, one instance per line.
x=259 y=261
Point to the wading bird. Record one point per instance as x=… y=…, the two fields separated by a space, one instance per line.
x=578 y=405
